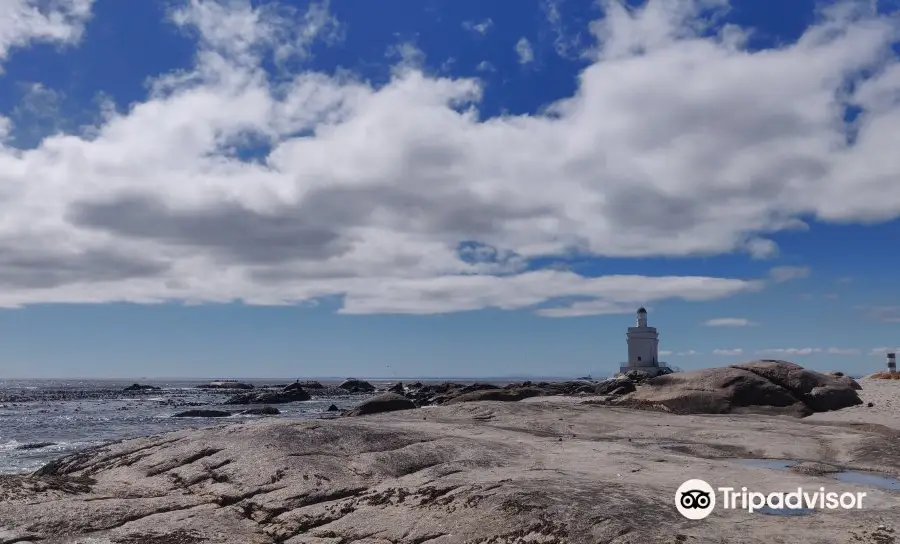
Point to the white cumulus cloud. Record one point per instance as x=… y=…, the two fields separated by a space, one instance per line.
x=24 y=22
x=369 y=192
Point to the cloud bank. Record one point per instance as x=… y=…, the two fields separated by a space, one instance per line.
x=729 y=322
x=228 y=184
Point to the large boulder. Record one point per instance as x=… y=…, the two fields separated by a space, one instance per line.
x=352 y=385
x=758 y=386
x=202 y=413
x=305 y=384
x=270 y=397
x=397 y=388
x=508 y=395
x=821 y=392
x=387 y=402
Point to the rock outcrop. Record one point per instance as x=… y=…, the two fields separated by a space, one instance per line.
x=35 y=445
x=352 y=385
x=507 y=395
x=769 y=386
x=295 y=394
x=885 y=375
x=140 y=387
x=537 y=471
x=264 y=411
x=387 y=402
x=397 y=388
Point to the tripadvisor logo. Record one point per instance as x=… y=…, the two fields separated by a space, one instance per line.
x=696 y=499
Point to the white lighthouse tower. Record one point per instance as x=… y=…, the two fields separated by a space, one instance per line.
x=643 y=348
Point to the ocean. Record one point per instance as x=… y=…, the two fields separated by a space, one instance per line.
x=41 y=420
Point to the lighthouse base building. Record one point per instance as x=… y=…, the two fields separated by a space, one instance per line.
x=643 y=348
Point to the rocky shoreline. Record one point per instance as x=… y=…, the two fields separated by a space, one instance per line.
x=577 y=467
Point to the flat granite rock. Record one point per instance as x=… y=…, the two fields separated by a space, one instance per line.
x=545 y=470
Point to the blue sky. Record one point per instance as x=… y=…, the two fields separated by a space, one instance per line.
x=445 y=188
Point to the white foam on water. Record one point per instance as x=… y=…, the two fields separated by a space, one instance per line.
x=9 y=446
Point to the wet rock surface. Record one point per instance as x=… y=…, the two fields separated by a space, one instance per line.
x=202 y=413
x=543 y=470
x=35 y=445
x=264 y=411
x=294 y=394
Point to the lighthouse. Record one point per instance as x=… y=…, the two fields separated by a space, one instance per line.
x=643 y=347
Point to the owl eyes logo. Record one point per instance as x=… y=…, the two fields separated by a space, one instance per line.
x=695 y=499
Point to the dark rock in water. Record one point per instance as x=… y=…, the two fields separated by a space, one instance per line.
x=264 y=411
x=35 y=445
x=387 y=402
x=353 y=385
x=306 y=384
x=270 y=397
x=766 y=386
x=225 y=384
x=293 y=387
x=139 y=387
x=509 y=395
x=202 y=413
x=332 y=408
x=397 y=388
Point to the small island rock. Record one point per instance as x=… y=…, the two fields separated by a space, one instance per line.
x=353 y=385
x=140 y=387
